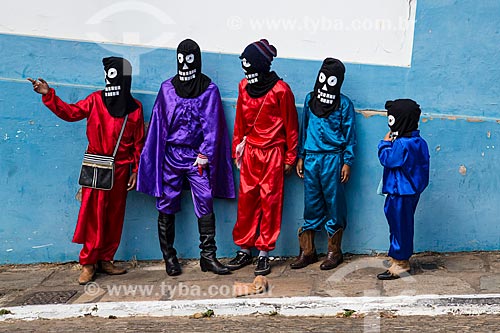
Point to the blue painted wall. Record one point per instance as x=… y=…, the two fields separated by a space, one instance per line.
x=453 y=77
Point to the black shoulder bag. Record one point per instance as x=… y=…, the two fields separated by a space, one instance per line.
x=98 y=171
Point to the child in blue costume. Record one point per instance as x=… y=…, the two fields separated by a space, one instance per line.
x=326 y=143
x=405 y=157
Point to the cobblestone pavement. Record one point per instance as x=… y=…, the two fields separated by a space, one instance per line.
x=470 y=274
x=260 y=324
x=464 y=273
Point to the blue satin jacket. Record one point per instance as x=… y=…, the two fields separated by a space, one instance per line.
x=406 y=165
x=335 y=134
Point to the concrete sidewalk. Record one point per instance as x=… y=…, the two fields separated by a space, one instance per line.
x=461 y=283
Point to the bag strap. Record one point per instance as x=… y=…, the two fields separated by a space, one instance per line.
x=258 y=113
x=120 y=136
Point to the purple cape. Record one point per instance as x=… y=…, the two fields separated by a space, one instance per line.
x=215 y=145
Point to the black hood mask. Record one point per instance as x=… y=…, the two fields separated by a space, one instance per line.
x=116 y=95
x=256 y=63
x=326 y=95
x=189 y=81
x=402 y=116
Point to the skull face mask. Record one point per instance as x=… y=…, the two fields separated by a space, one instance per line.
x=256 y=59
x=326 y=95
x=188 y=60
x=189 y=81
x=250 y=71
x=256 y=63
x=116 y=95
x=402 y=117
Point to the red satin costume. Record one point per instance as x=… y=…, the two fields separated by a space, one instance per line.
x=100 y=220
x=271 y=144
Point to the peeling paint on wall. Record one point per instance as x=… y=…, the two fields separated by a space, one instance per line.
x=462 y=170
x=474 y=120
x=371 y=113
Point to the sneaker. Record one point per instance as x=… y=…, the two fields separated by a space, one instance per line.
x=242 y=259
x=263 y=266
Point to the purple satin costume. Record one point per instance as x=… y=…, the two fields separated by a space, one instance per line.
x=179 y=129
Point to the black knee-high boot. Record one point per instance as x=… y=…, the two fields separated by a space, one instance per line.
x=208 y=259
x=166 y=235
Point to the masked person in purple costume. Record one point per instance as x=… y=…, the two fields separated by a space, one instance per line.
x=187 y=139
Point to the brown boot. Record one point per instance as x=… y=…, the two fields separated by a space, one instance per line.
x=307 y=253
x=87 y=274
x=334 y=256
x=110 y=269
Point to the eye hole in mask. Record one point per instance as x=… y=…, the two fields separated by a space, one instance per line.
x=391 y=120
x=190 y=58
x=332 y=81
x=245 y=63
x=112 y=73
x=322 y=77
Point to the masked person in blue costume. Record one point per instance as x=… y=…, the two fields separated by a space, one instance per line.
x=326 y=143
x=405 y=158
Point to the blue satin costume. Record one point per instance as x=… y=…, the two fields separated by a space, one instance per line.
x=406 y=175
x=325 y=145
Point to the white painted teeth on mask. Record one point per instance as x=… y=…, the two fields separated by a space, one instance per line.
x=112 y=88
x=251 y=76
x=325 y=95
x=326 y=101
x=112 y=93
x=191 y=72
x=187 y=78
x=253 y=80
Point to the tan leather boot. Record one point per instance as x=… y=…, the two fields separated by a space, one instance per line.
x=87 y=274
x=110 y=269
x=334 y=256
x=307 y=254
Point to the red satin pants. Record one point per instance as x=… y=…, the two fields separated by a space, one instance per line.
x=100 y=220
x=260 y=198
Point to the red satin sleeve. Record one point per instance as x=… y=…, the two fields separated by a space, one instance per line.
x=239 y=124
x=291 y=124
x=68 y=112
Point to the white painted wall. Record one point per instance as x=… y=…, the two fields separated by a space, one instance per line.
x=360 y=31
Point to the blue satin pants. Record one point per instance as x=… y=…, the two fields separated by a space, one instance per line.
x=324 y=196
x=400 y=211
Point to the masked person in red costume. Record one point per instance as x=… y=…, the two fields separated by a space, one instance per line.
x=266 y=120
x=100 y=220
